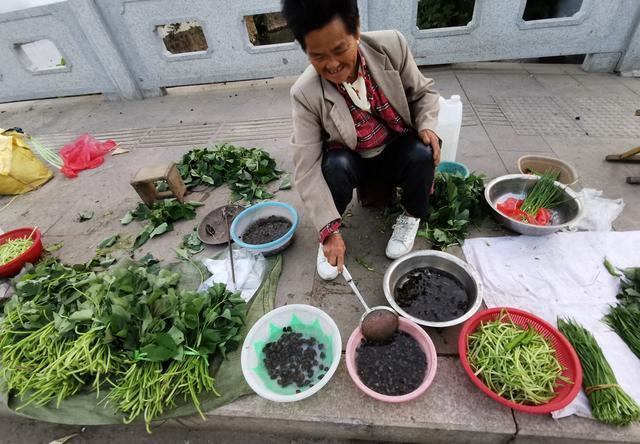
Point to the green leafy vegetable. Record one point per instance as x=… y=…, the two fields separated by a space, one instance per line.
x=624 y=318
x=366 y=265
x=246 y=170
x=192 y=243
x=160 y=217
x=625 y=321
x=286 y=182
x=127 y=329
x=109 y=242
x=85 y=216
x=455 y=205
x=609 y=403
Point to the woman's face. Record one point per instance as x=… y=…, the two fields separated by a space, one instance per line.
x=333 y=51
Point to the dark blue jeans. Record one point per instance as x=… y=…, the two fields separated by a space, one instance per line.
x=406 y=162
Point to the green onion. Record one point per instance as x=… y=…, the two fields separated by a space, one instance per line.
x=544 y=194
x=49 y=156
x=625 y=321
x=516 y=363
x=14 y=248
x=609 y=403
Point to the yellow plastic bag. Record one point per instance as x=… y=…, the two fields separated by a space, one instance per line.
x=20 y=170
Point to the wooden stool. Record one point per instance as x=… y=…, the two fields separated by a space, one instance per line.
x=144 y=182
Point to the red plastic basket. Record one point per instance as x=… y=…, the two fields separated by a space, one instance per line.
x=32 y=255
x=565 y=393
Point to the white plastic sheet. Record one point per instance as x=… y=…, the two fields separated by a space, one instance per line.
x=249 y=269
x=562 y=275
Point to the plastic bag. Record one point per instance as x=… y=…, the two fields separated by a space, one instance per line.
x=83 y=154
x=20 y=170
x=249 y=270
x=599 y=213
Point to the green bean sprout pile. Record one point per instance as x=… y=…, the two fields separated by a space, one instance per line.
x=516 y=363
x=14 y=248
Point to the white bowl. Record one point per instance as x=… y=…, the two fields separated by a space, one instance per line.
x=304 y=319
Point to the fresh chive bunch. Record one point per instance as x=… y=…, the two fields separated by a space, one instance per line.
x=625 y=321
x=544 y=194
x=609 y=403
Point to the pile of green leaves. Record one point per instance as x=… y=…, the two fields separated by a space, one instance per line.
x=129 y=329
x=455 y=205
x=624 y=318
x=160 y=217
x=246 y=170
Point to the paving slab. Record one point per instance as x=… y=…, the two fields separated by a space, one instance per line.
x=453 y=410
x=505 y=138
x=633 y=83
x=478 y=153
x=481 y=87
x=25 y=431
x=587 y=155
x=342 y=411
x=544 y=429
x=605 y=85
x=562 y=84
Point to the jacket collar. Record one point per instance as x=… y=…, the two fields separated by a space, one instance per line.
x=387 y=78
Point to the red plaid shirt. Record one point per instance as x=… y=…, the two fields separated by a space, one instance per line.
x=378 y=127
x=373 y=129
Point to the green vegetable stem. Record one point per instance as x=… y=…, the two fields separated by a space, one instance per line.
x=609 y=403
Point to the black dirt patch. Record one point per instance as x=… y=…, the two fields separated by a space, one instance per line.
x=266 y=230
x=394 y=367
x=431 y=294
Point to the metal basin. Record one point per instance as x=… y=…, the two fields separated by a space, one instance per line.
x=518 y=185
x=464 y=272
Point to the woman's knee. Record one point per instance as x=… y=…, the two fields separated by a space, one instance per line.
x=419 y=153
x=338 y=162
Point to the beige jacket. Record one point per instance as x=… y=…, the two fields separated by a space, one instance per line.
x=321 y=115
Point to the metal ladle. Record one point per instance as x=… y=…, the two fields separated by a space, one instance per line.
x=377 y=323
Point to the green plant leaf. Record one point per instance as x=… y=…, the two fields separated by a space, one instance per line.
x=160 y=229
x=109 y=242
x=127 y=218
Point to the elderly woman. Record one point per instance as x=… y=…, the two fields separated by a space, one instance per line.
x=362 y=113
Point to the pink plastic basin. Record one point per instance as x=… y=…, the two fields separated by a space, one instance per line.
x=425 y=343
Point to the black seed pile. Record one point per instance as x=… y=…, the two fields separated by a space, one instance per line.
x=394 y=367
x=431 y=294
x=294 y=359
x=266 y=230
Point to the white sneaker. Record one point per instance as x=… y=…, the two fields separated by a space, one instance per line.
x=326 y=271
x=403 y=237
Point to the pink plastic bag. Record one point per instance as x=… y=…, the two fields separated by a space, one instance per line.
x=83 y=154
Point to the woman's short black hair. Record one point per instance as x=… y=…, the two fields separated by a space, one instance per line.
x=304 y=16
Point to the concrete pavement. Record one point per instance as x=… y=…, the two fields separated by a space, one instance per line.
x=510 y=110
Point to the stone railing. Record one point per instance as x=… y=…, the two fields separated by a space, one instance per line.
x=115 y=47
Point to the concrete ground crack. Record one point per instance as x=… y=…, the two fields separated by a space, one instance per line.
x=515 y=421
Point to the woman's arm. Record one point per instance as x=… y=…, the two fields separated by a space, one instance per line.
x=306 y=143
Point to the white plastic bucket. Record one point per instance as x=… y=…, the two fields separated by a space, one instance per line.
x=448 y=129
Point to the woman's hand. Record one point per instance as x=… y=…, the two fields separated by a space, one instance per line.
x=430 y=138
x=334 y=249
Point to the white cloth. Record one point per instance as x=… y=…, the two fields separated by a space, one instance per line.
x=599 y=213
x=248 y=267
x=562 y=275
